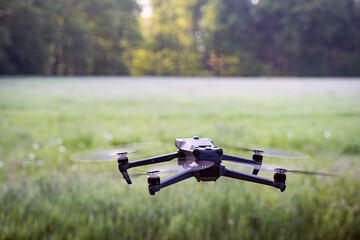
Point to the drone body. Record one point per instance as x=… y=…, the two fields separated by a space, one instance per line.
x=201 y=159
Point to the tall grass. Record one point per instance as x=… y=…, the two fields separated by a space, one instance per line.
x=45 y=195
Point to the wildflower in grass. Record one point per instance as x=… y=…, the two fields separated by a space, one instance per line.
x=327 y=134
x=62 y=149
x=40 y=163
x=36 y=146
x=290 y=135
x=32 y=156
x=107 y=136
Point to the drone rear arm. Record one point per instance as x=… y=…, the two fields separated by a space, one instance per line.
x=244 y=161
x=253 y=178
x=124 y=165
x=180 y=176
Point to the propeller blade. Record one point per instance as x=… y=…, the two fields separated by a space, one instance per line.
x=269 y=152
x=135 y=174
x=121 y=153
x=279 y=169
x=281 y=153
x=100 y=155
x=109 y=154
x=313 y=173
x=248 y=165
x=195 y=166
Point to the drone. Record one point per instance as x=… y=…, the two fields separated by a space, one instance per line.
x=201 y=159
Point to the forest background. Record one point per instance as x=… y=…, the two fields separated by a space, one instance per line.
x=180 y=37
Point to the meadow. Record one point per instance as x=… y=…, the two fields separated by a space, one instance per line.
x=45 y=195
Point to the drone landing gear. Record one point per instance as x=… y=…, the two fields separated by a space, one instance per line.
x=257 y=157
x=155 y=184
x=123 y=165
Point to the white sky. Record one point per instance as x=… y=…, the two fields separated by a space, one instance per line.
x=146 y=10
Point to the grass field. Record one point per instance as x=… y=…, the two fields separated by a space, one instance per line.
x=44 y=195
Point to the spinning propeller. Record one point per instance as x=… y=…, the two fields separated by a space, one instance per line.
x=171 y=168
x=108 y=154
x=121 y=152
x=269 y=152
x=258 y=157
x=284 y=170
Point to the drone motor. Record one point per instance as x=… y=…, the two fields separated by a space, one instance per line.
x=258 y=158
x=280 y=178
x=122 y=161
x=153 y=180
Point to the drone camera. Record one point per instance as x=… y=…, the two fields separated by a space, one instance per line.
x=196 y=152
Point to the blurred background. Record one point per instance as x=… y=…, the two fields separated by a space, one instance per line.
x=86 y=78
x=180 y=37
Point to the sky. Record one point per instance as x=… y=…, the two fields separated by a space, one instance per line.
x=145 y=5
x=146 y=11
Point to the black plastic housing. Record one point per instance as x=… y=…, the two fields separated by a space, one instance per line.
x=280 y=177
x=257 y=157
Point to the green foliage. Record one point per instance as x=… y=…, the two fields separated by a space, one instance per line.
x=183 y=38
x=67 y=37
x=25 y=51
x=291 y=37
x=169 y=47
x=307 y=37
x=165 y=62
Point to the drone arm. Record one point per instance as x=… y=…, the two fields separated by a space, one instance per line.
x=157 y=159
x=247 y=177
x=231 y=158
x=171 y=180
x=124 y=165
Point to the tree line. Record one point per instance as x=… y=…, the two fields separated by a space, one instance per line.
x=182 y=38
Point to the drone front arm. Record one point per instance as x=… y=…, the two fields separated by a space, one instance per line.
x=252 y=178
x=157 y=159
x=180 y=176
x=231 y=158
